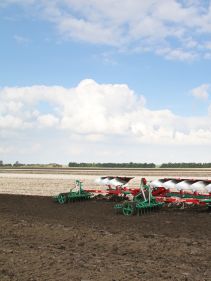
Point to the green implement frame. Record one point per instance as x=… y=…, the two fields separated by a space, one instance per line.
x=142 y=203
x=73 y=196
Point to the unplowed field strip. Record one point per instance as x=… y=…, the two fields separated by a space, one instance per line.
x=113 y=171
x=49 y=182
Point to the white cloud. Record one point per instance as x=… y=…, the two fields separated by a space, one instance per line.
x=201 y=92
x=87 y=31
x=94 y=122
x=177 y=54
x=10 y=121
x=97 y=112
x=180 y=28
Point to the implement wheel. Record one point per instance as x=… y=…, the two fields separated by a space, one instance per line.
x=62 y=199
x=129 y=208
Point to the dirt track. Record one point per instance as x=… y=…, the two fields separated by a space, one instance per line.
x=40 y=240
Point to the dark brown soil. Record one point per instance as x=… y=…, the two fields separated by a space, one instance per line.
x=41 y=240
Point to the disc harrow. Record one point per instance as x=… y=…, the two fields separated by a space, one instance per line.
x=72 y=196
x=142 y=203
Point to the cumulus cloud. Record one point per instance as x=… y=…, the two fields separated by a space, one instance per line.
x=180 y=28
x=98 y=112
x=201 y=92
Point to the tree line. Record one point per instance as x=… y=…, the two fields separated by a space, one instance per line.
x=17 y=164
x=186 y=165
x=112 y=165
x=139 y=165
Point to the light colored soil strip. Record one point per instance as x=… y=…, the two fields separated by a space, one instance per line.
x=50 y=184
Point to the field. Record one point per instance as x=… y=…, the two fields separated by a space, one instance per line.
x=40 y=240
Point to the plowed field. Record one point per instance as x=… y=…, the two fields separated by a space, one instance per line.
x=41 y=240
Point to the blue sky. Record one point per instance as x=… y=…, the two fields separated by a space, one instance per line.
x=144 y=66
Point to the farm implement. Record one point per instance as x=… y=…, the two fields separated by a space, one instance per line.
x=148 y=197
x=78 y=195
x=170 y=192
x=182 y=191
x=142 y=203
x=115 y=188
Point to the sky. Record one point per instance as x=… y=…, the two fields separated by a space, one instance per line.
x=105 y=81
